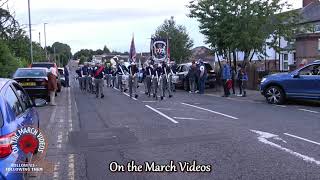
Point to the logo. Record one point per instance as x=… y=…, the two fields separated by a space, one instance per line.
x=159 y=50
x=29 y=146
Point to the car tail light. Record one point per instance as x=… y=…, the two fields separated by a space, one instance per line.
x=5 y=145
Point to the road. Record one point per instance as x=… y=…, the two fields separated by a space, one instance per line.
x=239 y=138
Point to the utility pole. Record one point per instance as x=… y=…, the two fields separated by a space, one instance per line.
x=45 y=40
x=54 y=53
x=40 y=38
x=29 y=13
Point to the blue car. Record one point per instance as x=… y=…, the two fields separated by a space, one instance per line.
x=303 y=83
x=16 y=110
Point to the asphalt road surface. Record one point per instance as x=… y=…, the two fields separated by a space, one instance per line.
x=239 y=138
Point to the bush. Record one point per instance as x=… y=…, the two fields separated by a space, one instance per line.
x=8 y=63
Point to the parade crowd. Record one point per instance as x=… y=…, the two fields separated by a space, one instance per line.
x=158 y=78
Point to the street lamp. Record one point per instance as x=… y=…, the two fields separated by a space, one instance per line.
x=31 y=53
x=45 y=40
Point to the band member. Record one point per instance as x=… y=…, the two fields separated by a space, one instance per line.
x=121 y=71
x=164 y=83
x=98 y=80
x=148 y=78
x=78 y=71
x=89 y=81
x=108 y=73
x=85 y=73
x=133 y=79
x=156 y=79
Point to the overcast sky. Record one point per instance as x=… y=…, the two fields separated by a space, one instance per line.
x=95 y=23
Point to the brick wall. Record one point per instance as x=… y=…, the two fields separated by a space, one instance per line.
x=307 y=48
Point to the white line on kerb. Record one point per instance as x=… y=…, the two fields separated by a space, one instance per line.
x=304 y=139
x=172 y=120
x=215 y=112
x=307 y=110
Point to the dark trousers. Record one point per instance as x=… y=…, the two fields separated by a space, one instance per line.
x=225 y=88
x=67 y=81
x=202 y=85
x=240 y=85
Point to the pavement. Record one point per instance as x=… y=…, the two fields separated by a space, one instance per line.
x=240 y=138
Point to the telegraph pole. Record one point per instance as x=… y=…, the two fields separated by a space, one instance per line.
x=29 y=13
x=45 y=40
x=40 y=38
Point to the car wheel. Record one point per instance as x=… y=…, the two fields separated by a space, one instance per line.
x=275 y=95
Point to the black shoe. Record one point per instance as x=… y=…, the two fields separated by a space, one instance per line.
x=146 y=93
x=170 y=96
x=154 y=96
x=136 y=96
x=125 y=90
x=102 y=96
x=161 y=98
x=149 y=94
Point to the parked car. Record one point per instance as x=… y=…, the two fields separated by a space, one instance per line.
x=34 y=81
x=62 y=78
x=303 y=83
x=48 y=65
x=16 y=110
x=182 y=72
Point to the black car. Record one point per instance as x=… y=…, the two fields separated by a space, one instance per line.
x=183 y=81
x=34 y=81
x=48 y=65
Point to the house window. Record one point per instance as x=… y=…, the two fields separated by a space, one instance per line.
x=285 y=64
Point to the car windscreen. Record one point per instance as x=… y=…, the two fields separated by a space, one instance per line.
x=60 y=71
x=30 y=73
x=1 y=119
x=49 y=65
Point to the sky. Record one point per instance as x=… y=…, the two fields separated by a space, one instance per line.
x=92 y=24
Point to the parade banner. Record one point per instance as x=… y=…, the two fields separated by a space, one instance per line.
x=133 y=53
x=159 y=49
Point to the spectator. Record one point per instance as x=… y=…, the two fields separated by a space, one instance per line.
x=192 y=74
x=233 y=77
x=52 y=85
x=226 y=76
x=202 y=77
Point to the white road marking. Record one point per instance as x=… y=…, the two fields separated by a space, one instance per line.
x=52 y=117
x=215 y=112
x=71 y=167
x=304 y=139
x=116 y=89
x=281 y=106
x=264 y=136
x=149 y=101
x=186 y=118
x=307 y=110
x=129 y=96
x=169 y=118
x=167 y=109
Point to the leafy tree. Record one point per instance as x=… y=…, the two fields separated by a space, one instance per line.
x=106 y=50
x=62 y=51
x=8 y=63
x=242 y=25
x=179 y=41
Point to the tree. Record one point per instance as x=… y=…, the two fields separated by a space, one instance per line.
x=242 y=25
x=8 y=63
x=62 y=52
x=179 y=41
x=106 y=50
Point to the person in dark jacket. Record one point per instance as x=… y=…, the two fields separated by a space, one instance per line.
x=121 y=71
x=98 y=80
x=52 y=85
x=202 y=77
x=157 y=71
x=66 y=76
x=164 y=82
x=192 y=75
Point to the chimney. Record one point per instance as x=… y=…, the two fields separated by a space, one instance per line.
x=307 y=2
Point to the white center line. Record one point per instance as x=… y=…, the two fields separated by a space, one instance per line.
x=129 y=96
x=306 y=110
x=304 y=139
x=172 y=120
x=281 y=106
x=215 y=112
x=149 y=101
